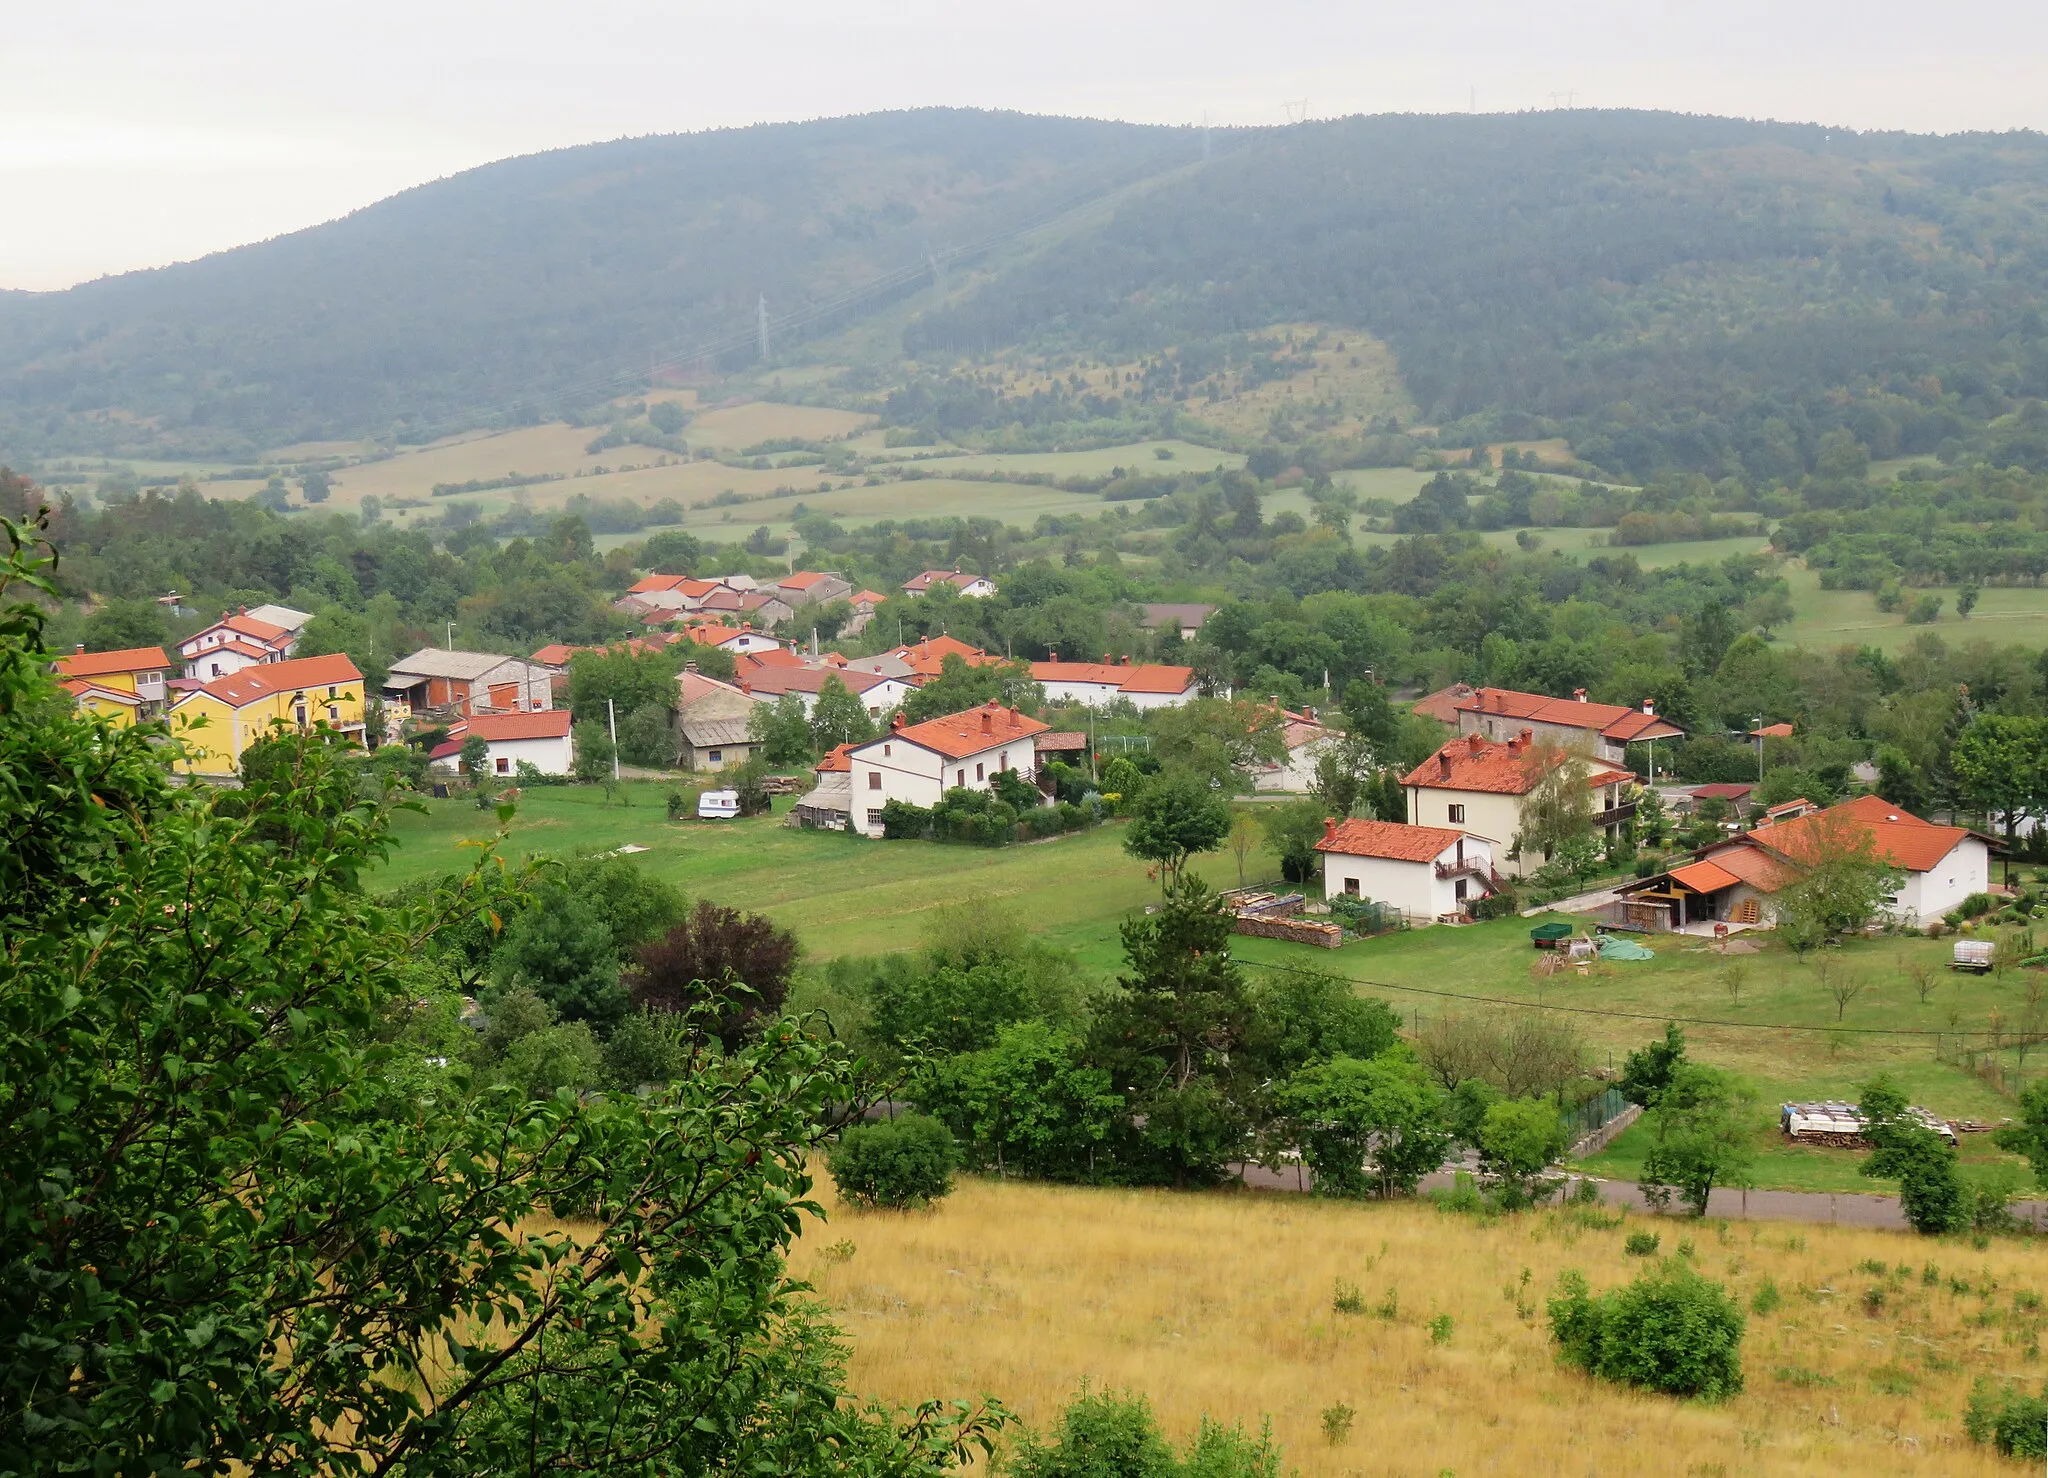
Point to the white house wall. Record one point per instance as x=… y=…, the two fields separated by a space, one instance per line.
x=551 y=756
x=1412 y=887
x=1492 y=818
x=896 y=770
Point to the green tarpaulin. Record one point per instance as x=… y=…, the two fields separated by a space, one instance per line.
x=1613 y=948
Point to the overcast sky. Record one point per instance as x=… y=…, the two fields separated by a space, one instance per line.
x=134 y=134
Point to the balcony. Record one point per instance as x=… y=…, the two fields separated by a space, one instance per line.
x=1615 y=815
x=1471 y=867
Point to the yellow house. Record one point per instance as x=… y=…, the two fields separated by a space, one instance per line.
x=137 y=671
x=118 y=706
x=246 y=706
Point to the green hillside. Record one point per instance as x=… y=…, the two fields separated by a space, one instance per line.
x=1661 y=292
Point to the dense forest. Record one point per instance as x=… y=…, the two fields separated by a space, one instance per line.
x=1670 y=293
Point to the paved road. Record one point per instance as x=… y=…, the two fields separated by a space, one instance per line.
x=1822 y=1208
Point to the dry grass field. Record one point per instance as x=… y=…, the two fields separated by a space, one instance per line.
x=1222 y=1304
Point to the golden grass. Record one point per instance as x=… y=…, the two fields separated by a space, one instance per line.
x=1221 y=1304
x=736 y=426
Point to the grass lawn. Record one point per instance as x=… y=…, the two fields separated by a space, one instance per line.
x=843 y=895
x=1824 y=619
x=1220 y=1305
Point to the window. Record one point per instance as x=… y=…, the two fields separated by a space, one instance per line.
x=299 y=714
x=874 y=780
x=874 y=820
x=959 y=777
x=1460 y=890
x=1457 y=813
x=332 y=692
x=977 y=773
x=1003 y=760
x=885 y=751
x=716 y=756
x=333 y=714
x=504 y=766
x=1351 y=887
x=216 y=669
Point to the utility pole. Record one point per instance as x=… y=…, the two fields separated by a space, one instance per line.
x=451 y=636
x=611 y=722
x=1759 y=749
x=761 y=324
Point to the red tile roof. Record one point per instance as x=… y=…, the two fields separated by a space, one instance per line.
x=1772 y=731
x=974 y=731
x=100 y=664
x=1510 y=767
x=837 y=760
x=549 y=723
x=778 y=678
x=1389 y=839
x=919 y=583
x=251 y=684
x=1062 y=742
x=1610 y=720
x=927 y=657
x=1753 y=866
x=683 y=584
x=803 y=580
x=1721 y=791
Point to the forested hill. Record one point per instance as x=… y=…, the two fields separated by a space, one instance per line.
x=533 y=280
x=1667 y=291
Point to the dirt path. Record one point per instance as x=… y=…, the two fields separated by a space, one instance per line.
x=1819 y=1208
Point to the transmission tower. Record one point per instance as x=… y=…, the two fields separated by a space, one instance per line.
x=1296 y=111
x=761 y=323
x=937 y=268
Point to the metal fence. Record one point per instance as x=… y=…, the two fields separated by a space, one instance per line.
x=1595 y=1114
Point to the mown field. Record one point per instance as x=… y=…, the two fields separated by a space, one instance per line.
x=1220 y=1304
x=1780 y=1027
x=1831 y=618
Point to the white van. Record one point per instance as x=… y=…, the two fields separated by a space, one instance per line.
x=718 y=805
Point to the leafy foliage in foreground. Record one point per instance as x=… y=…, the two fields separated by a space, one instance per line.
x=252 y=1219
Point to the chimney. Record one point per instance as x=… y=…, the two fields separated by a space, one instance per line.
x=81 y=649
x=1514 y=745
x=987 y=722
x=1105 y=659
x=1127 y=659
x=689 y=667
x=1650 y=707
x=1015 y=722
x=1475 y=742
x=1329 y=830
x=241 y=610
x=1579 y=694
x=1443 y=762
x=1528 y=737
x=896 y=720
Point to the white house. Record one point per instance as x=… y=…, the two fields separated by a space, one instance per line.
x=1426 y=872
x=1738 y=880
x=1307 y=741
x=919 y=763
x=878 y=694
x=741 y=639
x=977 y=586
x=541 y=739
x=1479 y=787
x=234 y=642
x=1096 y=684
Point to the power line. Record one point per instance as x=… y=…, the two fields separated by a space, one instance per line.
x=1752 y=1026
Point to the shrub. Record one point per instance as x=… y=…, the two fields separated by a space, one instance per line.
x=1998 y=1414
x=1766 y=1299
x=1671 y=1331
x=901 y=821
x=1109 y=1436
x=1975 y=906
x=1337 y=1424
x=900 y=1162
x=1641 y=1244
x=1502 y=905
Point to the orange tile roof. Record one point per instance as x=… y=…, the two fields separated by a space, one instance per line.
x=927 y=657
x=1896 y=837
x=779 y=678
x=803 y=580
x=974 y=731
x=240 y=689
x=549 y=723
x=78 y=687
x=1142 y=678
x=1772 y=731
x=651 y=584
x=837 y=760
x=1704 y=877
x=1442 y=705
x=99 y=664
x=1475 y=762
x=1610 y=720
x=871 y=597
x=1752 y=865
x=1388 y=839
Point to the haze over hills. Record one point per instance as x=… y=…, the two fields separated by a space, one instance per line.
x=1665 y=291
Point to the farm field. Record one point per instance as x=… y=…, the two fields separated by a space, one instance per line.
x=848 y=896
x=1591 y=543
x=1220 y=1304
x=1825 y=619
x=1099 y=462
